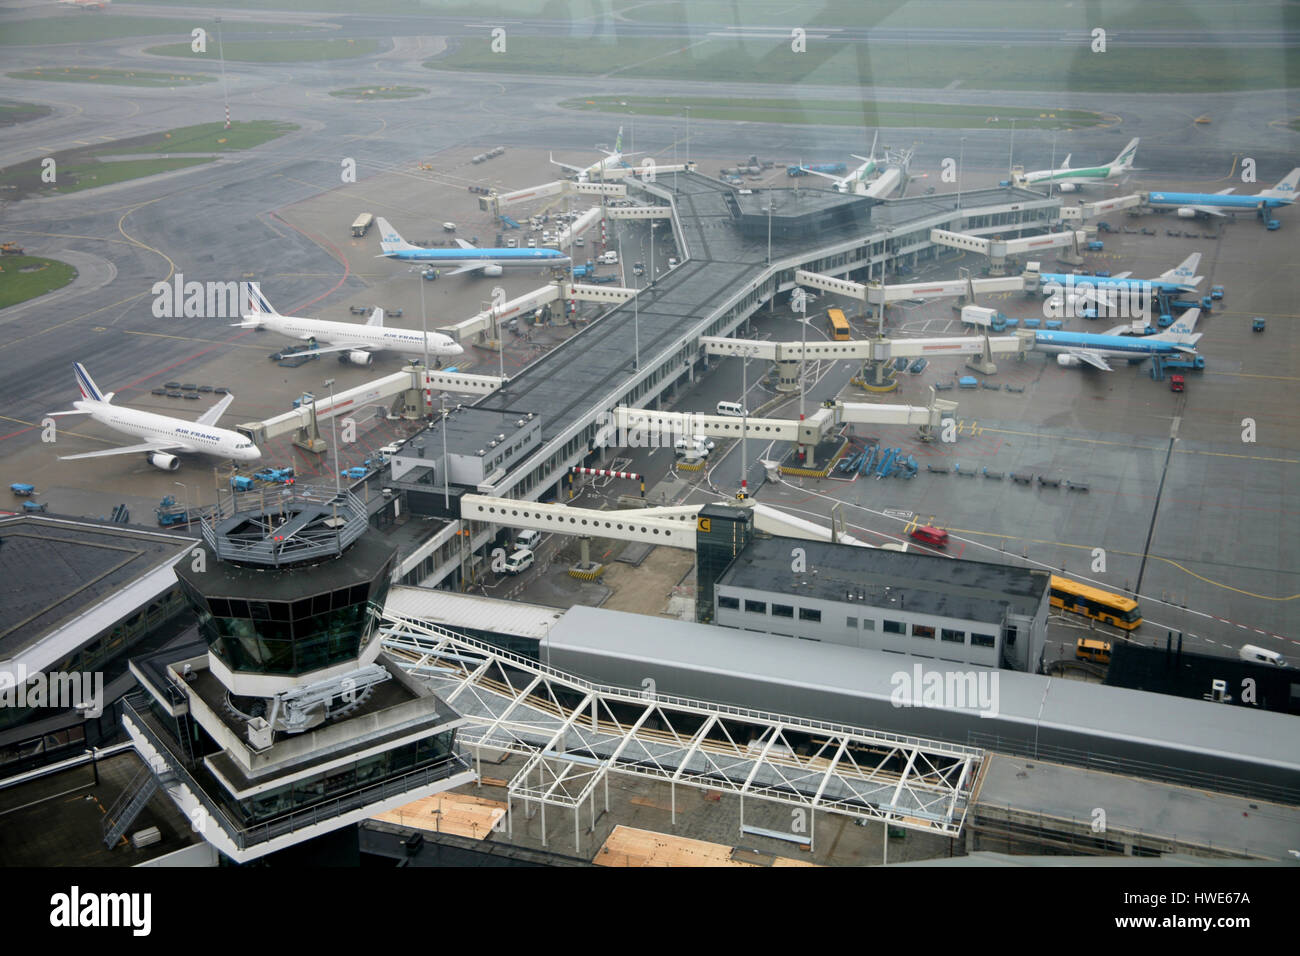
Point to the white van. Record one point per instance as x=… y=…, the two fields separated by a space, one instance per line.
x=448 y=227
x=1260 y=655
x=528 y=540
x=731 y=408
x=609 y=258
x=519 y=562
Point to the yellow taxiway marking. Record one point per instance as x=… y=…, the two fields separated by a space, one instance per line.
x=190 y=338
x=19 y=421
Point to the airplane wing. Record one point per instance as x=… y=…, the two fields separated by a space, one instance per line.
x=1208 y=210
x=471 y=267
x=130 y=450
x=376 y=318
x=1092 y=358
x=834 y=179
x=1224 y=192
x=322 y=351
x=572 y=169
x=1121 y=275
x=465 y=243
x=1119 y=329
x=213 y=414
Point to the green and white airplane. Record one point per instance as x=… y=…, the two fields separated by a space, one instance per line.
x=1069 y=180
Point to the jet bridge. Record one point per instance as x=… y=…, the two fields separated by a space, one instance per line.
x=881 y=295
x=997 y=250
x=400 y=392
x=1090 y=210
x=480 y=324
x=560 y=187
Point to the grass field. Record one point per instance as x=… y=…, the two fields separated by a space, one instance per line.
x=925 y=66
x=81 y=74
x=87 y=167
x=12 y=112
x=379 y=92
x=275 y=51
x=204 y=138
x=81 y=27
x=26 y=277
x=845 y=112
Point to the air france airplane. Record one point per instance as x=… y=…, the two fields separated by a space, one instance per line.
x=1069 y=180
x=1191 y=205
x=597 y=170
x=162 y=433
x=1076 y=349
x=354 y=342
x=469 y=258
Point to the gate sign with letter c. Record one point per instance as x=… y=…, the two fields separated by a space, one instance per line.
x=703 y=524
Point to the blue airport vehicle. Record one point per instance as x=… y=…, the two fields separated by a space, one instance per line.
x=1102 y=273
x=1033 y=323
x=968 y=381
x=1195 y=362
x=918 y=366
x=1104 y=226
x=1087 y=314
x=1004 y=182
x=1216 y=292
x=33 y=506
x=1273 y=225
x=900 y=364
x=280 y=476
x=1096 y=245
x=868 y=456
x=1009 y=323
x=1207 y=303
x=601 y=280
x=1257 y=325
x=1054 y=325
x=430 y=274
x=1165 y=320
x=242 y=483
x=886 y=462
x=509 y=223
x=1182 y=305
x=22 y=490
x=306 y=398
x=354 y=474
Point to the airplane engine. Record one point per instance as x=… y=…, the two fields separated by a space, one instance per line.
x=164 y=461
x=492 y=271
x=1067 y=361
x=1186 y=212
x=359 y=357
x=1069 y=188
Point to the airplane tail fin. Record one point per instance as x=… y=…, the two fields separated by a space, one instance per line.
x=1183 y=331
x=1286 y=187
x=89 y=390
x=389 y=239
x=258 y=306
x=1128 y=154
x=376 y=319
x=618 y=141
x=1066 y=163
x=1185 y=271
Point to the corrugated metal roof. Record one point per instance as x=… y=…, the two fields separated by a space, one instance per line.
x=461 y=611
x=855 y=673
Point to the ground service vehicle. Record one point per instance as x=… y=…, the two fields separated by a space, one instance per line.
x=1094 y=603
x=527 y=540
x=931 y=536
x=361 y=225
x=731 y=408
x=519 y=562
x=1087 y=649
x=839 y=325
x=1176 y=383
x=1260 y=655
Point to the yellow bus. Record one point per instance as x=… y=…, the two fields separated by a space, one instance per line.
x=838 y=324
x=1104 y=606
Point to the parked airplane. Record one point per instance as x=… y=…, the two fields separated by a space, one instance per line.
x=1075 y=349
x=1181 y=278
x=856 y=181
x=354 y=342
x=468 y=258
x=1208 y=204
x=597 y=170
x=1069 y=180
x=162 y=433
x=889 y=170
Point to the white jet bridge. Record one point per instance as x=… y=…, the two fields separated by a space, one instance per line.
x=399 y=393
x=1090 y=210
x=573 y=734
x=876 y=294
x=997 y=250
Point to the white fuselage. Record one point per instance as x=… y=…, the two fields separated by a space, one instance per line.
x=191 y=437
x=372 y=337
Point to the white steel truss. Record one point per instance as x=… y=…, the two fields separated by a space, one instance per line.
x=574 y=733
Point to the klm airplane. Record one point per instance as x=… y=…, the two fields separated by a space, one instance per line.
x=1181 y=278
x=468 y=258
x=1208 y=204
x=1076 y=349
